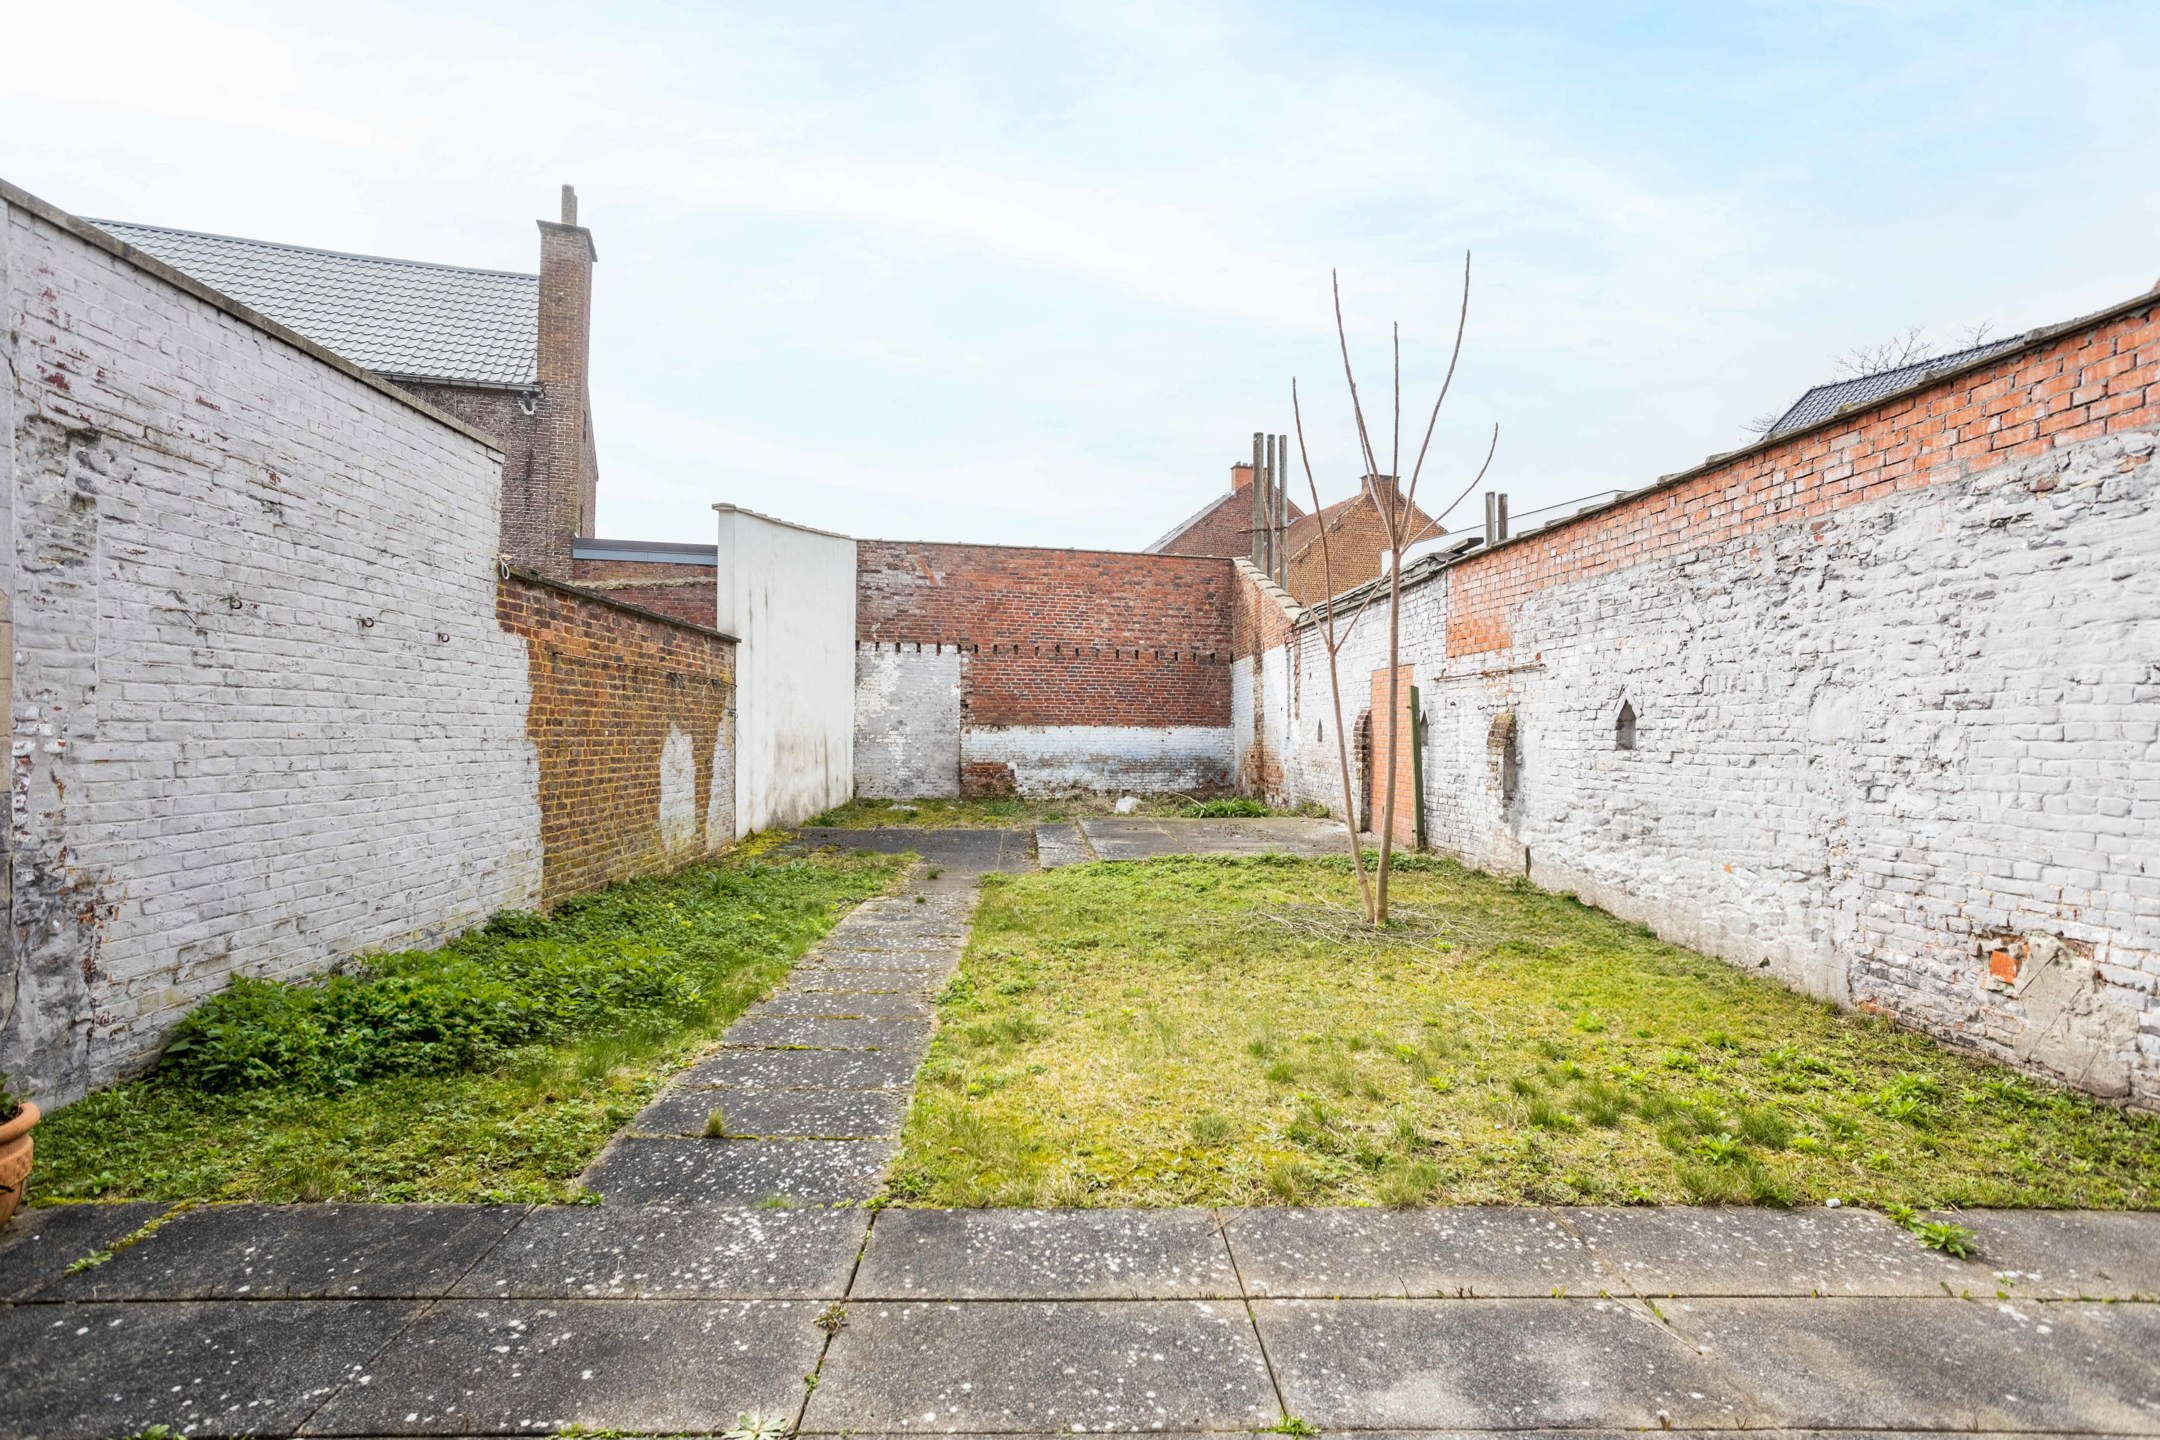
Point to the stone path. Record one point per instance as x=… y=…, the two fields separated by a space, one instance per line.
x=803 y=1101
x=684 y=1301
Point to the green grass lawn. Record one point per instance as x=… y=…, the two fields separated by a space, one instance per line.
x=1201 y=1032
x=493 y=1068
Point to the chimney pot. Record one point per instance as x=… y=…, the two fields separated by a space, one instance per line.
x=569 y=205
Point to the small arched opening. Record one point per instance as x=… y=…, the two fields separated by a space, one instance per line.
x=1623 y=727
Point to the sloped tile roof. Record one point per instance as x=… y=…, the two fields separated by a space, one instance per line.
x=404 y=318
x=1824 y=401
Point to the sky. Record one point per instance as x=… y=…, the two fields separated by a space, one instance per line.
x=1034 y=273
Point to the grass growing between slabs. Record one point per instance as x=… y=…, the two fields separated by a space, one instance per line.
x=493 y=1068
x=1220 y=1032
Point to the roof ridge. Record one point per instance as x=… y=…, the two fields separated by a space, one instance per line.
x=315 y=250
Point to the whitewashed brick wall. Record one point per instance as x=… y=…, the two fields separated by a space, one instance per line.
x=1869 y=747
x=907 y=720
x=264 y=717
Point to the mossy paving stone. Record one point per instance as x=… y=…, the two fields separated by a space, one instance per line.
x=841 y=1005
x=1459 y=1250
x=784 y=1032
x=1938 y=1364
x=1691 y=1250
x=298 y=1252
x=665 y=1252
x=975 y=851
x=201 y=1367
x=740 y=1172
x=811 y=1069
x=496 y=1367
x=1496 y=1364
x=766 y=1113
x=1141 y=1365
x=1046 y=1255
x=910 y=984
x=37 y=1246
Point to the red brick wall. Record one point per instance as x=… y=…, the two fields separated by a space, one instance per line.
x=687 y=592
x=1060 y=637
x=1392 y=727
x=2093 y=380
x=608 y=685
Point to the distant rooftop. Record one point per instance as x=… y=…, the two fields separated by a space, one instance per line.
x=402 y=318
x=1824 y=401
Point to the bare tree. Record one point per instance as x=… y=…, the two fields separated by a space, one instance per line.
x=1395 y=509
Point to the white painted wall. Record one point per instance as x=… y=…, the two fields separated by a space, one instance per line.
x=787 y=592
x=264 y=717
x=907 y=720
x=1867 y=742
x=1065 y=759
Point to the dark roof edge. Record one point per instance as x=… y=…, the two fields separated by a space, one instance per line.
x=1428 y=566
x=534 y=577
x=113 y=245
x=316 y=250
x=664 y=552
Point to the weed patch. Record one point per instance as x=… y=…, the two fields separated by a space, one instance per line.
x=492 y=1068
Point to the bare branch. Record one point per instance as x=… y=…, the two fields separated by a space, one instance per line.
x=1476 y=479
x=1357 y=407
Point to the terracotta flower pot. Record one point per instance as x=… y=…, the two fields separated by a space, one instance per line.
x=15 y=1157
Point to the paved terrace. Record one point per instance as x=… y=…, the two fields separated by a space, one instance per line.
x=685 y=1300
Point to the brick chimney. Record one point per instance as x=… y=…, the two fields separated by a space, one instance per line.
x=1241 y=477
x=566 y=469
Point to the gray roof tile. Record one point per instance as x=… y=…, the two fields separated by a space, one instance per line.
x=396 y=317
x=1824 y=401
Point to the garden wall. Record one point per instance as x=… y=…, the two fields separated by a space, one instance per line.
x=985 y=669
x=1871 y=708
x=266 y=712
x=632 y=717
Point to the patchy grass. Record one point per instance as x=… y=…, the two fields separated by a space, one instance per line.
x=493 y=1068
x=1211 y=1031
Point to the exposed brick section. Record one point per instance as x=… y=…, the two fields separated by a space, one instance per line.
x=687 y=592
x=1392 y=727
x=2092 y=381
x=1060 y=637
x=612 y=692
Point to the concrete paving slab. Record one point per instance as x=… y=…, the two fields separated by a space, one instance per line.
x=841 y=957
x=298 y=1252
x=1142 y=1365
x=739 y=1172
x=500 y=1367
x=974 y=851
x=1691 y=1250
x=1457 y=1251
x=2104 y=1255
x=881 y=980
x=840 y=1005
x=1060 y=844
x=776 y=1114
x=201 y=1367
x=1046 y=1255
x=1491 y=1364
x=803 y=1069
x=37 y=1246
x=663 y=1252
x=1922 y=1364
x=795 y=1032
x=1143 y=838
